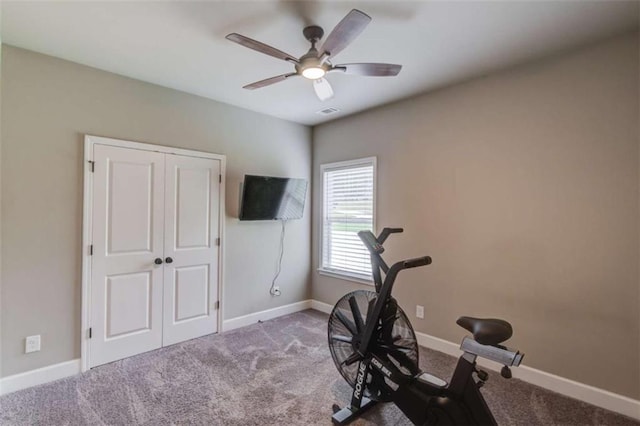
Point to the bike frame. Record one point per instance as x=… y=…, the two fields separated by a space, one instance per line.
x=460 y=402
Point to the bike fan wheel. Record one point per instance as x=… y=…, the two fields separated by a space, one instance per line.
x=393 y=340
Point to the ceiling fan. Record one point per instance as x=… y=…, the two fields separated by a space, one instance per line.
x=316 y=63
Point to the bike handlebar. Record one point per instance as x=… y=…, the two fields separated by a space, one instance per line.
x=418 y=261
x=386 y=232
x=375 y=247
x=393 y=230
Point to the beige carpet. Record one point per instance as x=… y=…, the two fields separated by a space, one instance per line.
x=276 y=373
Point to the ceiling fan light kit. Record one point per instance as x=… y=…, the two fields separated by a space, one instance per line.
x=313 y=72
x=315 y=64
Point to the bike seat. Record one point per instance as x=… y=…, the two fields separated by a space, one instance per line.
x=487 y=331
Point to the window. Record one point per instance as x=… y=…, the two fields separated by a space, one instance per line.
x=348 y=206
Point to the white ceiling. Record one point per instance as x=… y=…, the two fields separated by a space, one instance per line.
x=181 y=44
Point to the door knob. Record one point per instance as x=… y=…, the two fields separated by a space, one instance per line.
x=158 y=261
x=168 y=260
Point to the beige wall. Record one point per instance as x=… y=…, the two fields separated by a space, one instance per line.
x=47 y=106
x=523 y=187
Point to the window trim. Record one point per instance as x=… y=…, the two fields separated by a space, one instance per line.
x=366 y=161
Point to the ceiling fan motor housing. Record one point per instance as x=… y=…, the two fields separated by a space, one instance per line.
x=313 y=33
x=311 y=59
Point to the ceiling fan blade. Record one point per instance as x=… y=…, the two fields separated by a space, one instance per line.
x=372 y=70
x=260 y=47
x=345 y=32
x=323 y=89
x=268 y=81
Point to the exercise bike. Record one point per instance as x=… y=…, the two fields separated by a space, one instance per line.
x=374 y=348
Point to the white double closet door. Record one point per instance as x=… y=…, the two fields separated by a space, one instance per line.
x=154 y=267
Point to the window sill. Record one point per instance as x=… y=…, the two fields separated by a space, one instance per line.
x=345 y=276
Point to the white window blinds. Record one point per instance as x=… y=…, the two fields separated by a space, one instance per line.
x=348 y=207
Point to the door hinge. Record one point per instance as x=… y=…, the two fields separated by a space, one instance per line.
x=91 y=250
x=90 y=332
x=93 y=166
x=217 y=305
x=218 y=241
x=220 y=178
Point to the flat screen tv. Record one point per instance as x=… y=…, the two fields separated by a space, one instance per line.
x=272 y=198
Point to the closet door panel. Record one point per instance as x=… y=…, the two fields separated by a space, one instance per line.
x=192 y=193
x=126 y=283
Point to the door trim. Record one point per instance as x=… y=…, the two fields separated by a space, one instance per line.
x=87 y=213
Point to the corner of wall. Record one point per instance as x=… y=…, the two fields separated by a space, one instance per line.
x=638 y=170
x=0 y=195
x=312 y=210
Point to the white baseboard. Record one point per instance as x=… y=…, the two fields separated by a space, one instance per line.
x=587 y=393
x=39 y=376
x=321 y=306
x=583 y=392
x=268 y=314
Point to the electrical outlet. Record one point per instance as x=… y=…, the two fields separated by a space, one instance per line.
x=420 y=311
x=32 y=344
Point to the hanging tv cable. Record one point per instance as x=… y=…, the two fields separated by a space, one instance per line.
x=275 y=290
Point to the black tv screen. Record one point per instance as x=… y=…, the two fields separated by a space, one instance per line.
x=272 y=198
